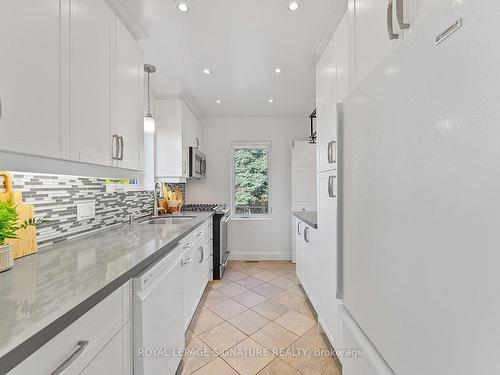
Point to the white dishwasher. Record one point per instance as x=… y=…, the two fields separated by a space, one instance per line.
x=158 y=317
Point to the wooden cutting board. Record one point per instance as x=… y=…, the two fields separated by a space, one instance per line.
x=26 y=243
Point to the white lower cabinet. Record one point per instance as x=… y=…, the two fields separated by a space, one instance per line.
x=196 y=254
x=328 y=257
x=307 y=260
x=95 y=344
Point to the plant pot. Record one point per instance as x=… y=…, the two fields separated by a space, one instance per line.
x=6 y=257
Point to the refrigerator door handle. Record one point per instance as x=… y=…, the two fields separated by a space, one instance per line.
x=400 y=14
x=390 y=26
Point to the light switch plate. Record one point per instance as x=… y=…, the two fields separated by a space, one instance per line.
x=85 y=211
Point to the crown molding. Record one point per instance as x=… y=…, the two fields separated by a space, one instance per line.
x=121 y=11
x=330 y=29
x=185 y=97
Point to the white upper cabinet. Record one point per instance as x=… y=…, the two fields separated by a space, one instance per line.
x=372 y=40
x=332 y=86
x=416 y=10
x=303 y=176
x=177 y=129
x=91 y=27
x=129 y=89
x=29 y=77
x=71 y=77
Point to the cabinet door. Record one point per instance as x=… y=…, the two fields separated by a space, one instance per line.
x=303 y=176
x=129 y=93
x=326 y=106
x=29 y=77
x=91 y=27
x=191 y=284
x=109 y=360
x=299 y=249
x=415 y=12
x=191 y=134
x=372 y=40
x=342 y=58
x=327 y=255
x=311 y=260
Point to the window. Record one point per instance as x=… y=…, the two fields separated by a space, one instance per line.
x=250 y=183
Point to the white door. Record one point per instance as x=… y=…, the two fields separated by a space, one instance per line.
x=297 y=228
x=303 y=176
x=326 y=110
x=371 y=34
x=311 y=263
x=129 y=93
x=29 y=77
x=327 y=255
x=342 y=58
x=191 y=283
x=415 y=11
x=109 y=360
x=91 y=28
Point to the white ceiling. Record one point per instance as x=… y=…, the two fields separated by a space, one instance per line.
x=241 y=42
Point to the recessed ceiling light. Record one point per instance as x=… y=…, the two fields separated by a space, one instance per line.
x=293 y=5
x=278 y=70
x=218 y=101
x=182 y=6
x=271 y=100
x=206 y=71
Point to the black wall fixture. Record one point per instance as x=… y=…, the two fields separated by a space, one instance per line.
x=312 y=137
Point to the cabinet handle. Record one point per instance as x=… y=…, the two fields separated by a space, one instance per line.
x=298 y=229
x=186 y=246
x=186 y=262
x=121 y=147
x=202 y=254
x=116 y=141
x=329 y=152
x=306 y=234
x=400 y=14
x=331 y=181
x=184 y=164
x=390 y=27
x=82 y=344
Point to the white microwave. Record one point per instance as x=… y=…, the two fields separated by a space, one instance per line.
x=197 y=163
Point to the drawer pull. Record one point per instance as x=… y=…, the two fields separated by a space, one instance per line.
x=82 y=344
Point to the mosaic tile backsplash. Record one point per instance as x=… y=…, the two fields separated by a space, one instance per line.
x=55 y=198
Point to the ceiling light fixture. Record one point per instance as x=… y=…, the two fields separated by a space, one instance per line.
x=218 y=101
x=149 y=120
x=278 y=70
x=293 y=5
x=206 y=71
x=182 y=6
x=271 y=100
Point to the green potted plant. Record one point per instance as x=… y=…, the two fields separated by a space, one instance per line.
x=9 y=219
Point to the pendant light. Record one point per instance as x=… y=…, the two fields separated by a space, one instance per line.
x=149 y=121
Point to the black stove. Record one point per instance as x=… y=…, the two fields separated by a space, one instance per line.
x=220 y=226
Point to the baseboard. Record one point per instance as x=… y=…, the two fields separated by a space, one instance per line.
x=261 y=255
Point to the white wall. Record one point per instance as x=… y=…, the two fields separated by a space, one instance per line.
x=251 y=239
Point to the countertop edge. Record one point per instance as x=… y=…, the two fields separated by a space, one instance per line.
x=305 y=216
x=21 y=352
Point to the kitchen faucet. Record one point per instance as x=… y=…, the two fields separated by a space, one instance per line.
x=157 y=194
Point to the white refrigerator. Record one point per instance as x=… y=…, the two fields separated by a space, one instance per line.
x=421 y=197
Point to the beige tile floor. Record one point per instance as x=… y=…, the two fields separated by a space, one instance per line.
x=255 y=321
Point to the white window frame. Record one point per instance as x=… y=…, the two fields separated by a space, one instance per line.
x=252 y=145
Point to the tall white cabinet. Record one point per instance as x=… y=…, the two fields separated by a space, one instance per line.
x=333 y=85
x=71 y=83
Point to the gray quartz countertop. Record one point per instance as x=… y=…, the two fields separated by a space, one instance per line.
x=308 y=217
x=44 y=293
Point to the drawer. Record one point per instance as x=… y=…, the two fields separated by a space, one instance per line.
x=97 y=327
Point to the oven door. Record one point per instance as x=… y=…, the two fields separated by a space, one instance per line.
x=223 y=248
